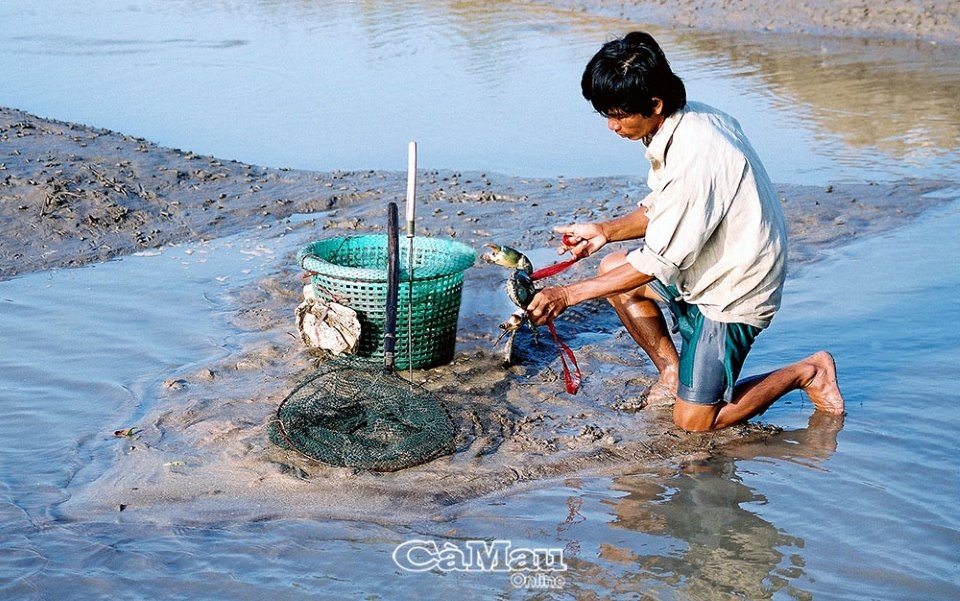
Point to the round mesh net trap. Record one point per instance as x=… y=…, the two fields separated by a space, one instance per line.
x=352 y=414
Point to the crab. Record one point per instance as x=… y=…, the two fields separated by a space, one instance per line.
x=520 y=286
x=521 y=290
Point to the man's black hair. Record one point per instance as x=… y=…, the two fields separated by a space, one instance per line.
x=627 y=74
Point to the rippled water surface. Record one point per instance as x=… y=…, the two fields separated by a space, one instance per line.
x=481 y=85
x=866 y=511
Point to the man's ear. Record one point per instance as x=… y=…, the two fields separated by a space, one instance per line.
x=657 y=105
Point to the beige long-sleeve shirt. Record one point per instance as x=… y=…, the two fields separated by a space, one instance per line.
x=716 y=230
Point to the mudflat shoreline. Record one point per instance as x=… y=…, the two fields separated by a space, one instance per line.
x=928 y=22
x=71 y=195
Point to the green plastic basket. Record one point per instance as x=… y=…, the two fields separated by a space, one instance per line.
x=353 y=271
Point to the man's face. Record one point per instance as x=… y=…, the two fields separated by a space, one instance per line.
x=636 y=126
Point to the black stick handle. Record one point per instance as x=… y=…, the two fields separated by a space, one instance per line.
x=393 y=287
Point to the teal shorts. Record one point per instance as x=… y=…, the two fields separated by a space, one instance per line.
x=712 y=353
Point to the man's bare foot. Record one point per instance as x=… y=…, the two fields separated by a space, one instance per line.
x=664 y=391
x=823 y=390
x=659 y=395
x=669 y=379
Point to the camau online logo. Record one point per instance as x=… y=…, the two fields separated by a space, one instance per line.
x=531 y=568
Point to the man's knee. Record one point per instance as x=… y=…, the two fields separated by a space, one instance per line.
x=693 y=417
x=612 y=261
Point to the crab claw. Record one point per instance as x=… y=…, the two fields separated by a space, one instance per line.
x=512 y=325
x=514 y=322
x=507 y=257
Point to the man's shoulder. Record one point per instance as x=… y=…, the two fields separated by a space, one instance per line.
x=698 y=114
x=708 y=133
x=711 y=131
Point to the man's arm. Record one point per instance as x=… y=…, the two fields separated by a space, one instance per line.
x=552 y=301
x=588 y=238
x=628 y=227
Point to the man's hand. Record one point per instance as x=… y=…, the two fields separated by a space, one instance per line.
x=581 y=239
x=548 y=304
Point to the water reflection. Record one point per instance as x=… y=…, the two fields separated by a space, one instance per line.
x=894 y=101
x=481 y=85
x=722 y=548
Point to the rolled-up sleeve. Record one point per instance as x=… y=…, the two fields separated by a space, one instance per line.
x=646 y=261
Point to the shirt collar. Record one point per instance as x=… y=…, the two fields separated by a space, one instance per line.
x=657 y=149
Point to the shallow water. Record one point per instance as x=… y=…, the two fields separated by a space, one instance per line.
x=480 y=85
x=866 y=512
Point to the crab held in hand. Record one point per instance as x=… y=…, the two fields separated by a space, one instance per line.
x=520 y=287
x=521 y=290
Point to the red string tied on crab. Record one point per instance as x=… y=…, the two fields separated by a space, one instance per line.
x=572 y=379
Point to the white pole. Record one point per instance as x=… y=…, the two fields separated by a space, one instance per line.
x=411 y=218
x=411 y=186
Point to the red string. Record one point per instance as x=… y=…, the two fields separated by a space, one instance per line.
x=572 y=380
x=554 y=269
